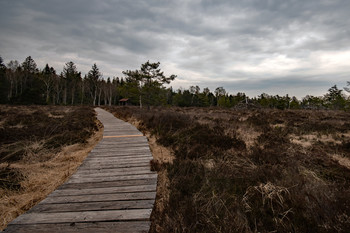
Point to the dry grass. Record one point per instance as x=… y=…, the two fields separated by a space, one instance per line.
x=250 y=170
x=343 y=161
x=37 y=170
x=161 y=157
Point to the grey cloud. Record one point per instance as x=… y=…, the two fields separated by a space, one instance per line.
x=202 y=37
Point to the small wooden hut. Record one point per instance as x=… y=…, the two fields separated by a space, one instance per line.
x=124 y=102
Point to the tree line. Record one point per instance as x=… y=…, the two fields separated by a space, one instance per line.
x=24 y=83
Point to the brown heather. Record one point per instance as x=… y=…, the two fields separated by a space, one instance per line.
x=249 y=170
x=40 y=147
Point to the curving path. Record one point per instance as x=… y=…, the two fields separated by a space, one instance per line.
x=112 y=191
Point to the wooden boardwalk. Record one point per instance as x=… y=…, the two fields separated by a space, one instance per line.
x=112 y=191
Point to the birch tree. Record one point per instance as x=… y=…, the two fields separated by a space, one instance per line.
x=93 y=78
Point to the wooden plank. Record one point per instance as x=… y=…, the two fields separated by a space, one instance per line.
x=110 y=166
x=121 y=150
x=109 y=162
x=113 y=154
x=118 y=155
x=94 y=206
x=106 y=184
x=100 y=154
x=124 y=148
x=117 y=145
x=99 y=197
x=111 y=174
x=115 y=178
x=125 y=140
x=104 y=164
x=110 y=156
x=117 y=151
x=109 y=190
x=120 y=142
x=125 y=164
x=134 y=140
x=85 y=216
x=88 y=171
x=120 y=132
x=124 y=136
x=94 y=227
x=118 y=159
x=145 y=168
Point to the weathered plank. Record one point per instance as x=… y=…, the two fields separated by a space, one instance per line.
x=109 y=190
x=107 y=148
x=95 y=227
x=91 y=171
x=120 y=147
x=110 y=166
x=94 y=206
x=107 y=153
x=118 y=183
x=113 y=154
x=115 y=178
x=122 y=132
x=111 y=174
x=99 y=197
x=118 y=159
x=140 y=161
x=121 y=141
x=84 y=216
x=110 y=158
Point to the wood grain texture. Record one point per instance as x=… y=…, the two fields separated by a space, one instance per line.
x=118 y=183
x=112 y=191
x=93 y=227
x=99 y=197
x=84 y=216
x=104 y=190
x=94 y=206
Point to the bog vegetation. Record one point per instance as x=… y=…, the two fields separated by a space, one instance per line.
x=251 y=170
x=40 y=147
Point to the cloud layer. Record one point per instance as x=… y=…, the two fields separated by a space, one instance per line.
x=278 y=47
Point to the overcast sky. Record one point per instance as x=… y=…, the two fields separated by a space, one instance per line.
x=294 y=47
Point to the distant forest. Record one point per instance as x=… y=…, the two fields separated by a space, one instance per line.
x=25 y=83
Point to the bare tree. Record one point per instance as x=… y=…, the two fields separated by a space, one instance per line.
x=58 y=86
x=48 y=78
x=13 y=77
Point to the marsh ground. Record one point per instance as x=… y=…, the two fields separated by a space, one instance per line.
x=40 y=147
x=248 y=170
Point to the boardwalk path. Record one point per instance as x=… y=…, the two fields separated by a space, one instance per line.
x=112 y=191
